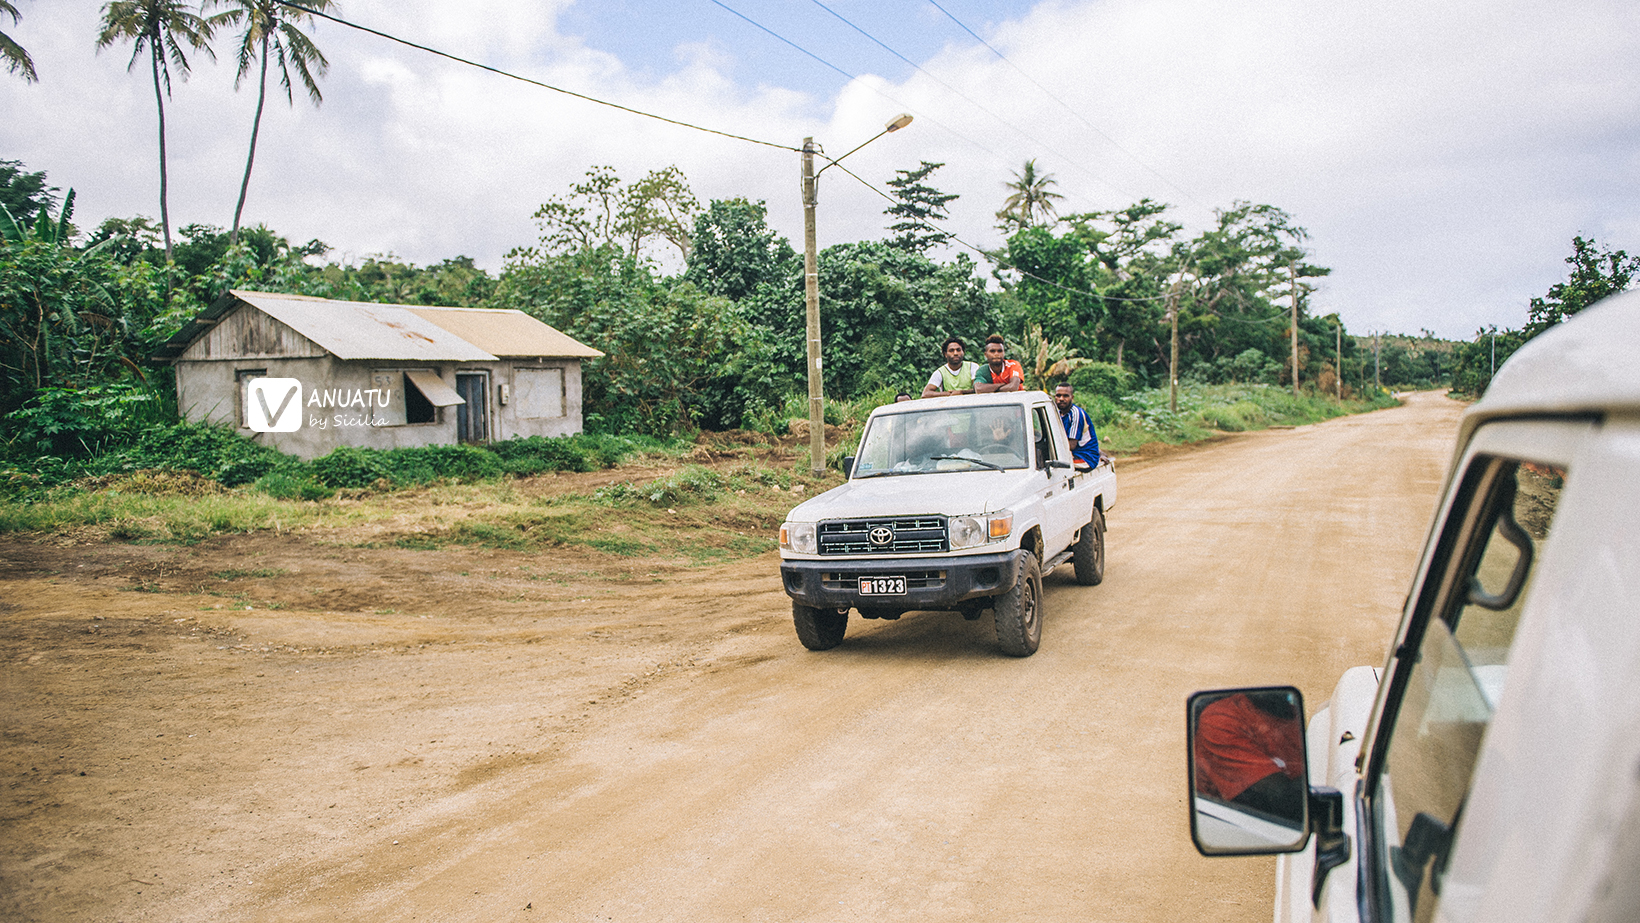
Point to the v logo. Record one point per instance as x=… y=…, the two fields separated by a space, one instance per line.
x=268 y=421
x=272 y=416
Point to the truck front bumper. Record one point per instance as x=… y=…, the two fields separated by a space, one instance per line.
x=931 y=583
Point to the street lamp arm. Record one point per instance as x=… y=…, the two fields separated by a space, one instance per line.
x=900 y=121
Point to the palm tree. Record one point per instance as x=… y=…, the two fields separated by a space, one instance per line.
x=160 y=27
x=17 y=59
x=271 y=26
x=1030 y=199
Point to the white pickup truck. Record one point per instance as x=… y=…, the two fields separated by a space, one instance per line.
x=1491 y=769
x=955 y=503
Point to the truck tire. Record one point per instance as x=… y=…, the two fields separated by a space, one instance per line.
x=1089 y=551
x=819 y=629
x=1019 y=611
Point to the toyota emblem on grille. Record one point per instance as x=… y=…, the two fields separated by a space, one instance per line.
x=882 y=535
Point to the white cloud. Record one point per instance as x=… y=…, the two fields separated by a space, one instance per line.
x=1442 y=156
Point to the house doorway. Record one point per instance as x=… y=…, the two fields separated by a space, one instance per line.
x=473 y=417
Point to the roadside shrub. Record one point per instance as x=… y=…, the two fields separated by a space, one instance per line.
x=1221 y=417
x=536 y=454
x=610 y=450
x=214 y=451
x=1104 y=379
x=425 y=464
x=691 y=485
x=350 y=466
x=1102 y=411
x=80 y=422
x=292 y=484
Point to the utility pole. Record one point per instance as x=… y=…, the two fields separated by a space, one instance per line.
x=811 y=301
x=1376 y=381
x=811 y=292
x=1173 y=365
x=1292 y=275
x=1338 y=334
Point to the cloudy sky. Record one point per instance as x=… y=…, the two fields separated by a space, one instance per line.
x=1441 y=155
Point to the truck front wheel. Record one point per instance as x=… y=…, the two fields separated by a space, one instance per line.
x=1019 y=611
x=1089 y=551
x=819 y=629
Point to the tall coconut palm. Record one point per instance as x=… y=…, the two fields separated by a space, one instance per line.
x=271 y=27
x=1030 y=198
x=16 y=58
x=162 y=28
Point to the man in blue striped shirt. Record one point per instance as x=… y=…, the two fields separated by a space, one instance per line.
x=1078 y=428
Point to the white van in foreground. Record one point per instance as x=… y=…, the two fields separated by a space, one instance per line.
x=1491 y=769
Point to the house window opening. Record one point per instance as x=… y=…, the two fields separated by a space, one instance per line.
x=417 y=408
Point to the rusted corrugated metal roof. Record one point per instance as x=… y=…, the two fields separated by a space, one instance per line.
x=365 y=330
x=360 y=330
x=506 y=332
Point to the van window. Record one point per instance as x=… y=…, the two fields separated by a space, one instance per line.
x=1456 y=677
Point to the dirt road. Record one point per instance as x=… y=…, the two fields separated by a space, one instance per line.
x=489 y=736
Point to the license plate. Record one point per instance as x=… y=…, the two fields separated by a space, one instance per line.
x=882 y=586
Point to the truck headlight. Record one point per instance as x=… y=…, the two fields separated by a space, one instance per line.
x=798 y=537
x=969 y=531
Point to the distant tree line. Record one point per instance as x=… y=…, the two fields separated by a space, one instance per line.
x=718 y=343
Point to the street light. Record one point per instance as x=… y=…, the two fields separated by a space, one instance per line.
x=811 y=292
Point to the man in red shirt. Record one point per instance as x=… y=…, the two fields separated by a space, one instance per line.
x=1250 y=751
x=999 y=373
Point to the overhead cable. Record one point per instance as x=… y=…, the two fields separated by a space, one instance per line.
x=971 y=101
x=1067 y=107
x=915 y=111
x=546 y=86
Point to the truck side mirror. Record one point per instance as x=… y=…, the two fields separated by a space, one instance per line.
x=848 y=467
x=1249 y=789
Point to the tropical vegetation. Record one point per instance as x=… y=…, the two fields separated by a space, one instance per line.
x=698 y=307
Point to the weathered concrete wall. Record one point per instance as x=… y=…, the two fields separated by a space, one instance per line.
x=362 y=402
x=511 y=421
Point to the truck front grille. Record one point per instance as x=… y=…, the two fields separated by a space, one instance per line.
x=895 y=535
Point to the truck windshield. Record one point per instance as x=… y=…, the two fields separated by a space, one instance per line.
x=946 y=439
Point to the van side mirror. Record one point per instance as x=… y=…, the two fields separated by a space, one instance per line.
x=1249 y=785
x=848 y=467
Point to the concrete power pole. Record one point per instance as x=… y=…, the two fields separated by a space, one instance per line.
x=811 y=300
x=1292 y=275
x=1376 y=381
x=1173 y=365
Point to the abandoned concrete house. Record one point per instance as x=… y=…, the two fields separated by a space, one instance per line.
x=374 y=375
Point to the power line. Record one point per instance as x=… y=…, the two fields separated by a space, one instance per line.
x=920 y=113
x=546 y=86
x=592 y=99
x=972 y=102
x=1067 y=107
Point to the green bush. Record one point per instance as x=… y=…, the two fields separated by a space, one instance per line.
x=425 y=464
x=288 y=484
x=1105 y=379
x=80 y=422
x=350 y=466
x=1102 y=411
x=691 y=485
x=1222 y=417
x=536 y=454
x=214 y=451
